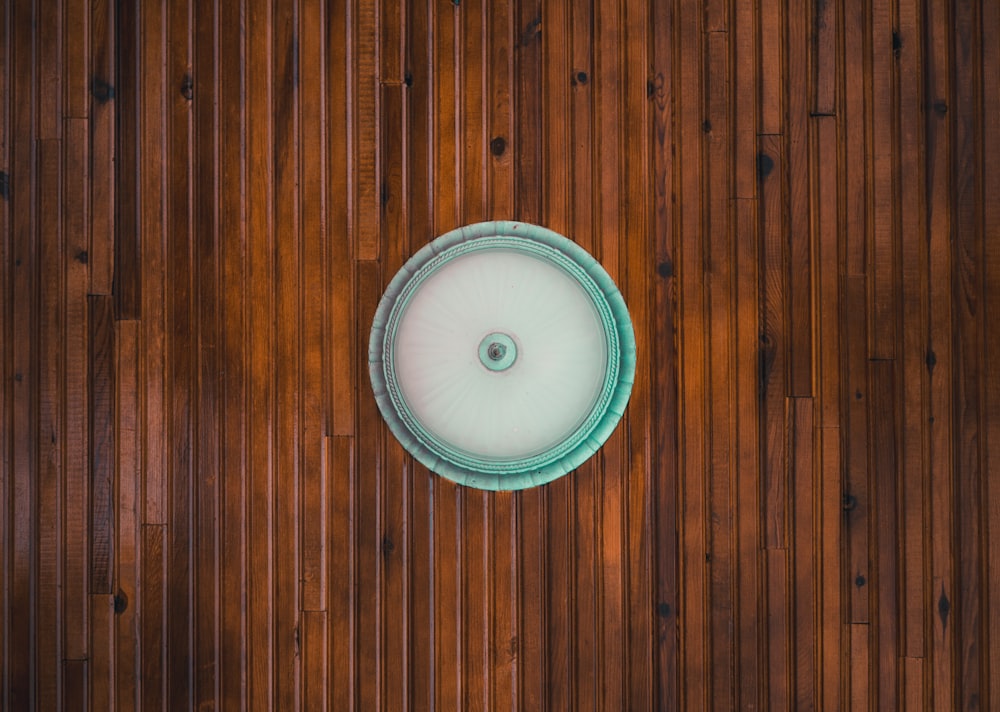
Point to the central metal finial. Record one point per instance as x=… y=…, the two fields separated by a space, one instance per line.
x=497 y=351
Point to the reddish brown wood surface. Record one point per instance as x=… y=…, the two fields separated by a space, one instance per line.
x=200 y=206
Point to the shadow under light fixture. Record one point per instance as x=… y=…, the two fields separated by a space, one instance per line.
x=502 y=355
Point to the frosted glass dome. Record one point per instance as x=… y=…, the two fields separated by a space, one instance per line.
x=502 y=355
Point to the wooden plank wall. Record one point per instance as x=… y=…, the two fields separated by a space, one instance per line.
x=200 y=205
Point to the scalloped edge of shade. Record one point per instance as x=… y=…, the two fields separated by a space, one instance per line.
x=607 y=421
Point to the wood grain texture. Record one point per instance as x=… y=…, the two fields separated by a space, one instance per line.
x=201 y=205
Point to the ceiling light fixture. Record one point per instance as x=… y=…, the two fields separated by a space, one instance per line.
x=502 y=355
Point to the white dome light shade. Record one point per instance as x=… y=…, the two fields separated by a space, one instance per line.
x=502 y=355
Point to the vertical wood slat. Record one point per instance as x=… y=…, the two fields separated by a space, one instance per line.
x=990 y=397
x=804 y=563
x=6 y=386
x=102 y=443
x=50 y=434
x=881 y=246
x=665 y=386
x=105 y=83
x=363 y=123
x=286 y=425
x=205 y=249
x=22 y=283
x=773 y=346
x=912 y=352
x=128 y=562
x=76 y=492
x=885 y=535
x=719 y=303
x=856 y=496
x=938 y=230
x=692 y=379
x=260 y=515
x=341 y=231
x=967 y=342
x=795 y=201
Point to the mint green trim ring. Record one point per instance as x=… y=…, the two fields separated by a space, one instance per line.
x=498 y=353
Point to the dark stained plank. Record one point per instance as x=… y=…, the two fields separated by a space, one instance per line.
x=49 y=75
x=825 y=209
x=530 y=517
x=205 y=409
x=101 y=370
x=854 y=155
x=21 y=467
x=181 y=367
x=778 y=633
x=559 y=634
x=612 y=571
x=340 y=359
x=315 y=678
x=341 y=620
x=795 y=200
x=76 y=80
x=500 y=48
x=913 y=687
x=745 y=87
x=527 y=106
x=772 y=64
x=802 y=552
x=664 y=396
x=719 y=301
x=48 y=534
x=503 y=625
x=968 y=249
x=6 y=383
x=912 y=351
x=287 y=420
x=421 y=629
x=830 y=517
x=76 y=683
x=475 y=520
x=259 y=340
x=362 y=102
x=448 y=576
x=990 y=397
x=152 y=603
x=118 y=132
x=101 y=663
x=391 y=44
x=692 y=369
x=369 y=476
x=825 y=40
x=125 y=599
x=76 y=472
x=859 y=673
x=856 y=496
x=233 y=397
x=153 y=138
x=773 y=346
x=750 y=668
x=885 y=496
x=882 y=254
x=938 y=359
